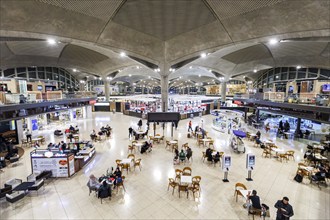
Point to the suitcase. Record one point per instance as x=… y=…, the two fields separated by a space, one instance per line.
x=298 y=178
x=188 y=135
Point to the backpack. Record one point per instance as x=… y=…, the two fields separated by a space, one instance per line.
x=298 y=178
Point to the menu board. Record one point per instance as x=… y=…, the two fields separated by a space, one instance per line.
x=58 y=166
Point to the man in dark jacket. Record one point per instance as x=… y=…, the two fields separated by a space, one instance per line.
x=284 y=209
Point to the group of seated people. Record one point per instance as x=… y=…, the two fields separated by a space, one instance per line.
x=60 y=146
x=212 y=158
x=182 y=155
x=103 y=131
x=72 y=130
x=322 y=173
x=103 y=184
x=201 y=130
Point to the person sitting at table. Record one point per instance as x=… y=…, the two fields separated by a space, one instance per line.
x=117 y=172
x=93 y=135
x=253 y=201
x=104 y=191
x=176 y=152
x=182 y=155
x=176 y=160
x=58 y=132
x=145 y=147
x=93 y=183
x=63 y=146
x=71 y=128
x=258 y=141
x=189 y=153
x=258 y=134
x=208 y=154
x=216 y=157
x=118 y=179
x=307 y=133
x=196 y=129
x=267 y=127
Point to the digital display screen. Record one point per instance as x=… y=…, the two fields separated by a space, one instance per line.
x=39 y=88
x=252 y=160
x=227 y=161
x=326 y=88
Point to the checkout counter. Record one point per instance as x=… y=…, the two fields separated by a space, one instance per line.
x=62 y=164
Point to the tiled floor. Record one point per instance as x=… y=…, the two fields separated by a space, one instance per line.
x=146 y=194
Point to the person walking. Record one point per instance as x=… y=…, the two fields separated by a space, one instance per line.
x=140 y=124
x=130 y=132
x=190 y=126
x=284 y=209
x=28 y=135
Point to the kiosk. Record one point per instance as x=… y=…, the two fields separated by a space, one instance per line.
x=226 y=163
x=250 y=163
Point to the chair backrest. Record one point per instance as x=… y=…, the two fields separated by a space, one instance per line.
x=118 y=162
x=186 y=170
x=196 y=179
x=178 y=172
x=131 y=156
x=301 y=165
x=138 y=161
x=290 y=152
x=240 y=185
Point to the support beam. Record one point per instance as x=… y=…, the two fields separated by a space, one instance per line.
x=164 y=92
x=223 y=91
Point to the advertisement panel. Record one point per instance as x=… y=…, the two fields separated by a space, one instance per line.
x=58 y=166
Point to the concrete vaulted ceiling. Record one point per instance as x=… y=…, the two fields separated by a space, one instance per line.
x=92 y=34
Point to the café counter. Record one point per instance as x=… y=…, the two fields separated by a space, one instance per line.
x=83 y=157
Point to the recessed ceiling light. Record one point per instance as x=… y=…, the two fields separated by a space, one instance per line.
x=254 y=70
x=203 y=55
x=130 y=75
x=51 y=41
x=149 y=77
x=74 y=70
x=210 y=71
x=190 y=67
x=122 y=54
x=137 y=67
x=100 y=78
x=273 y=41
x=199 y=75
x=298 y=67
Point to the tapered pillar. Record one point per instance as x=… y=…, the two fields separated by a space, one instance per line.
x=164 y=92
x=223 y=91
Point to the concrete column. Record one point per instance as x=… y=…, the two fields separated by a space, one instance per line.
x=223 y=91
x=106 y=89
x=164 y=92
x=298 y=127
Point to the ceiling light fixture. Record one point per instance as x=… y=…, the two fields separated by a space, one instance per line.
x=51 y=41
x=190 y=67
x=199 y=75
x=122 y=54
x=203 y=55
x=298 y=67
x=130 y=75
x=255 y=70
x=74 y=70
x=273 y=41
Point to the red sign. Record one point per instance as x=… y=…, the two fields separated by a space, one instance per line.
x=238 y=102
x=92 y=102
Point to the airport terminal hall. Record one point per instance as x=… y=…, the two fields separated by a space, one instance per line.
x=165 y=109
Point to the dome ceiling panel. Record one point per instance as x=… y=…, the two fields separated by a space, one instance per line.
x=164 y=19
x=37 y=17
x=101 y=9
x=35 y=48
x=297 y=49
x=4 y=52
x=326 y=52
x=286 y=17
x=229 y=8
x=74 y=52
x=248 y=54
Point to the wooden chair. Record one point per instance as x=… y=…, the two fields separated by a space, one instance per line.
x=42 y=139
x=118 y=162
x=174 y=146
x=131 y=156
x=186 y=171
x=172 y=183
x=121 y=184
x=200 y=142
x=161 y=139
x=76 y=138
x=185 y=146
x=289 y=154
x=178 y=173
x=239 y=186
x=24 y=143
x=196 y=179
x=211 y=144
x=131 y=148
x=183 y=188
x=126 y=166
x=194 y=188
x=266 y=153
x=157 y=134
x=282 y=157
x=134 y=142
x=204 y=156
x=168 y=144
x=137 y=163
